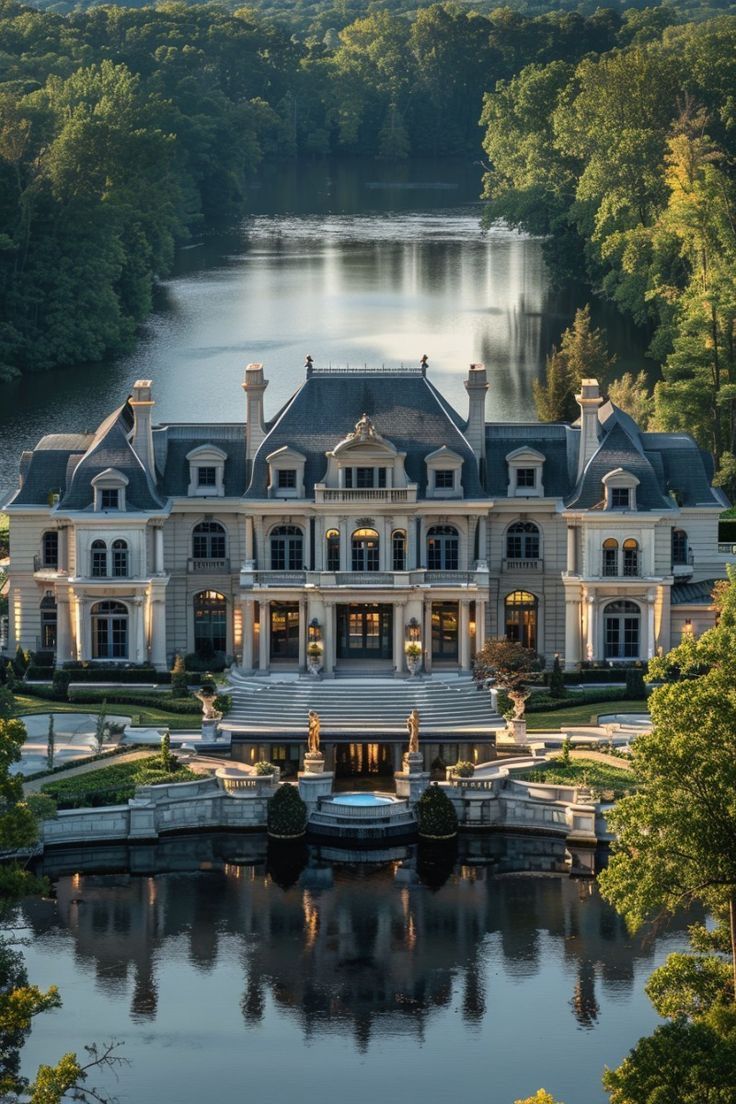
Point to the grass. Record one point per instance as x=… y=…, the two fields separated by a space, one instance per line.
x=576 y=715
x=613 y=781
x=111 y=785
x=147 y=716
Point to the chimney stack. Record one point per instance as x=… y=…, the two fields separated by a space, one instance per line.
x=588 y=400
x=477 y=385
x=254 y=385
x=142 y=403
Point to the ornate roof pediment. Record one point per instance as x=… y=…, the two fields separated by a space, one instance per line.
x=366 y=438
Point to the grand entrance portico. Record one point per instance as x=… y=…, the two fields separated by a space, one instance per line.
x=365 y=632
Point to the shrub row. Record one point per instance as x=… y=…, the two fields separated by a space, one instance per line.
x=595 y=674
x=543 y=703
x=140 y=698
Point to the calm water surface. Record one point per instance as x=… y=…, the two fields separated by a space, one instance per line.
x=357 y=263
x=228 y=976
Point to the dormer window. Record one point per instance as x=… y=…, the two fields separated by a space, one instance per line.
x=620 y=490
x=444 y=473
x=109 y=490
x=525 y=473
x=444 y=479
x=287 y=479
x=286 y=473
x=206 y=472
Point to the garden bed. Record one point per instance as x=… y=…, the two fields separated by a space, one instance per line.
x=611 y=782
x=112 y=785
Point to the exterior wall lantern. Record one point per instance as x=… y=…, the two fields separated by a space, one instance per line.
x=413 y=630
x=314 y=633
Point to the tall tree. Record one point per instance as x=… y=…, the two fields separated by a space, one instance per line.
x=583 y=354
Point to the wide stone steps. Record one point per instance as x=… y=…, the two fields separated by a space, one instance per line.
x=380 y=704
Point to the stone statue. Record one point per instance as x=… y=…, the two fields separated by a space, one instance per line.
x=313 y=733
x=519 y=698
x=207 y=698
x=412 y=726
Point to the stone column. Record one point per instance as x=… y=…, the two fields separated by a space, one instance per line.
x=140 y=630
x=307 y=544
x=427 y=639
x=345 y=557
x=412 y=559
x=591 y=643
x=482 y=540
x=63 y=567
x=650 y=625
x=571 y=550
x=302 y=634
x=264 y=635
x=249 y=543
x=84 y=650
x=398 y=642
x=480 y=624
x=464 y=635
x=248 y=614
x=158 y=631
x=158 y=550
x=63 y=630
x=329 y=639
x=572 y=632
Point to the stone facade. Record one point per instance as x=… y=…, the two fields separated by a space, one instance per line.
x=364 y=517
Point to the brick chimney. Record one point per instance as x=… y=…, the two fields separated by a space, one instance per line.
x=254 y=386
x=588 y=400
x=142 y=403
x=477 y=385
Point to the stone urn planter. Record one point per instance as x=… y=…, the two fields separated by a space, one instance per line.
x=314 y=659
x=413 y=653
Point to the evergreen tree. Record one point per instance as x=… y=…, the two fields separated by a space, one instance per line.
x=50 y=743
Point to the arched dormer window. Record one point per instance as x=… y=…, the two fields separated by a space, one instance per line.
x=522 y=541
x=680 y=547
x=120 y=559
x=109 y=490
x=98 y=564
x=619 y=487
x=209 y=541
x=332 y=558
x=287 y=548
x=365 y=550
x=398 y=550
x=443 y=548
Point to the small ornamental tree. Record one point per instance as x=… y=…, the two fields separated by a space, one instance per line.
x=101 y=729
x=507 y=664
x=166 y=751
x=436 y=814
x=635 y=686
x=557 y=688
x=50 y=744
x=179 y=685
x=287 y=814
x=21 y=661
x=11 y=678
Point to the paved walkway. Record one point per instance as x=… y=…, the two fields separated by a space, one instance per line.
x=35 y=785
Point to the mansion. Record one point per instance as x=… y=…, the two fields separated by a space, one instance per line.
x=362 y=517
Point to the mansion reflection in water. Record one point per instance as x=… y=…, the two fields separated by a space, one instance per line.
x=340 y=946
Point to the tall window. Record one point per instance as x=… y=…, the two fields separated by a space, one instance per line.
x=50 y=548
x=621 y=630
x=610 y=557
x=521 y=610
x=443 y=548
x=332 y=540
x=208 y=541
x=210 y=623
x=287 y=548
x=98 y=566
x=109 y=630
x=363 y=478
x=679 y=546
x=48 y=624
x=120 y=559
x=631 y=557
x=365 y=550
x=398 y=550
x=522 y=541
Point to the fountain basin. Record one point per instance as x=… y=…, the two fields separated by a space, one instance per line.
x=362 y=819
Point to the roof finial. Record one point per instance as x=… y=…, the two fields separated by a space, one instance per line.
x=423 y=363
x=308 y=364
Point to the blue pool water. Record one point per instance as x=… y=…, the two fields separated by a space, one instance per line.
x=361 y=799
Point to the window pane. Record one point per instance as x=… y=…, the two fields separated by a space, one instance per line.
x=287 y=479
x=525 y=477
x=207 y=477
x=444 y=479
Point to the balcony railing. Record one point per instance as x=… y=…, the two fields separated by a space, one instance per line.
x=398 y=579
x=365 y=494
x=726 y=549
x=449 y=578
x=208 y=567
x=48 y=568
x=535 y=565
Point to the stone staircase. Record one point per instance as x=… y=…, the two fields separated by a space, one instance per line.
x=378 y=705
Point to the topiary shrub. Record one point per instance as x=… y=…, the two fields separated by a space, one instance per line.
x=60 y=685
x=635 y=685
x=557 y=688
x=436 y=815
x=264 y=767
x=287 y=814
x=463 y=769
x=179 y=687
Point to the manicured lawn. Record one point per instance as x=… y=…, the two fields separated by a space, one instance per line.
x=580 y=715
x=615 y=781
x=111 y=785
x=149 y=716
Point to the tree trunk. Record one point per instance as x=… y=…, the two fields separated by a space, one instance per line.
x=732 y=918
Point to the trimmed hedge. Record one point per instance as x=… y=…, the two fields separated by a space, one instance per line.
x=287 y=813
x=140 y=698
x=113 y=785
x=122 y=675
x=543 y=703
x=595 y=674
x=436 y=814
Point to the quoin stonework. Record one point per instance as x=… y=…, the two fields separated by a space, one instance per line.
x=364 y=516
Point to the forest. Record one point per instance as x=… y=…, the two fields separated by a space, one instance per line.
x=125 y=130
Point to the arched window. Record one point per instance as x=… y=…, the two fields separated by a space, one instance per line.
x=332 y=539
x=48 y=623
x=109 y=630
x=210 y=624
x=522 y=541
x=50 y=548
x=365 y=550
x=398 y=550
x=443 y=545
x=287 y=548
x=521 y=609
x=208 y=541
x=610 y=556
x=680 y=550
x=98 y=567
x=631 y=557
x=621 y=630
x=120 y=559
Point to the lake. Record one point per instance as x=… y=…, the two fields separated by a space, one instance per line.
x=229 y=975
x=352 y=262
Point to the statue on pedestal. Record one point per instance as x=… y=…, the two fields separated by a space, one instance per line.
x=207 y=697
x=313 y=733
x=412 y=726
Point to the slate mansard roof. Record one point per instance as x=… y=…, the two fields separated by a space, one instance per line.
x=407 y=411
